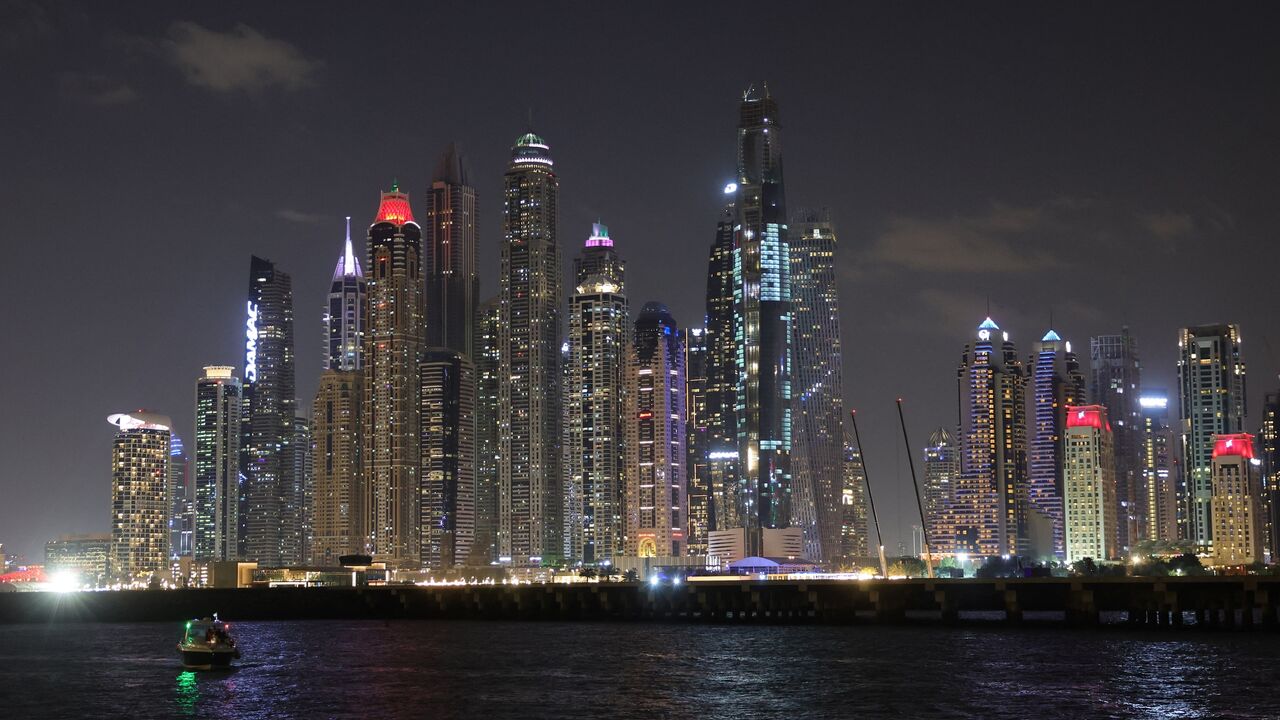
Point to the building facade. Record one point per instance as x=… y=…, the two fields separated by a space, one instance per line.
x=450 y=246
x=139 y=494
x=941 y=474
x=181 y=500
x=697 y=439
x=1269 y=446
x=1235 y=510
x=656 y=496
x=344 y=313
x=1056 y=383
x=1211 y=394
x=722 y=375
x=1160 y=468
x=1116 y=383
x=485 y=545
x=530 y=492
x=1090 y=485
x=219 y=394
x=854 y=534
x=86 y=555
x=448 y=502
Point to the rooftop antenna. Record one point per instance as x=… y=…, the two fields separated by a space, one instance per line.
x=871 y=503
x=924 y=527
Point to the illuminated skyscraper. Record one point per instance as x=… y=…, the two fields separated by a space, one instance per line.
x=530 y=491
x=392 y=351
x=139 y=491
x=1234 y=507
x=697 y=439
x=1158 y=489
x=219 y=396
x=344 y=315
x=1269 y=444
x=817 y=434
x=941 y=474
x=1116 y=384
x=1211 y=402
x=271 y=506
x=854 y=535
x=593 y=396
x=448 y=501
x=655 y=447
x=181 y=500
x=722 y=376
x=449 y=257
x=485 y=546
x=762 y=322
x=991 y=494
x=1056 y=383
x=1089 y=485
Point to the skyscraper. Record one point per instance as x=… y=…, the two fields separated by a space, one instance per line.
x=485 y=546
x=817 y=433
x=593 y=396
x=1057 y=382
x=1116 y=384
x=1090 y=485
x=448 y=500
x=991 y=494
x=139 y=483
x=304 y=479
x=1211 y=402
x=450 y=248
x=270 y=512
x=1234 y=507
x=854 y=536
x=762 y=322
x=219 y=395
x=722 y=376
x=337 y=513
x=1269 y=445
x=530 y=493
x=697 y=439
x=181 y=499
x=1159 y=482
x=392 y=353
x=656 y=453
x=941 y=474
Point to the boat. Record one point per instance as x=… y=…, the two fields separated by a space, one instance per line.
x=207 y=644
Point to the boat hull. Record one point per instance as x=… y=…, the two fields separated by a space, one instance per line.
x=207 y=659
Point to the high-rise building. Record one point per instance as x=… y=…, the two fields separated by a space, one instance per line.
x=1158 y=488
x=1269 y=444
x=217 y=478
x=991 y=493
x=593 y=397
x=1234 y=507
x=697 y=439
x=722 y=376
x=270 y=511
x=485 y=546
x=655 y=447
x=854 y=537
x=941 y=473
x=139 y=494
x=304 y=478
x=762 y=322
x=393 y=345
x=450 y=248
x=448 y=501
x=1090 y=485
x=87 y=555
x=1116 y=384
x=1211 y=402
x=530 y=492
x=1056 y=383
x=181 y=500
x=337 y=513
x=817 y=431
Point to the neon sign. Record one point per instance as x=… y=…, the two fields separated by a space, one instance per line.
x=251 y=344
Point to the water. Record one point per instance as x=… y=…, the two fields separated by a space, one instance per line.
x=405 y=669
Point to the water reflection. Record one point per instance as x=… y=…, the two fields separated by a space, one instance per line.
x=188 y=692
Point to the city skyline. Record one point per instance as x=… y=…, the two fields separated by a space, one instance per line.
x=887 y=234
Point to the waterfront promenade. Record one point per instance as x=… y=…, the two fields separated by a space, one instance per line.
x=1244 y=602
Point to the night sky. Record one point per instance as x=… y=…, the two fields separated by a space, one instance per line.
x=1111 y=165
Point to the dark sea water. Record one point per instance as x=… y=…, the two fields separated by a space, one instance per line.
x=409 y=669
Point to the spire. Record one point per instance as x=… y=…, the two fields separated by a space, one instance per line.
x=599 y=236
x=348 y=264
x=1051 y=336
x=452 y=168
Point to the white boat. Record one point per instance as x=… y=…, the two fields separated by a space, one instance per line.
x=207 y=644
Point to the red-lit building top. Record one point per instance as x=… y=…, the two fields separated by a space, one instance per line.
x=1094 y=416
x=1240 y=444
x=394 y=207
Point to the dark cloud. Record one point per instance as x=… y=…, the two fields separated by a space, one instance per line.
x=94 y=89
x=1169 y=225
x=23 y=24
x=240 y=60
x=305 y=218
x=1000 y=240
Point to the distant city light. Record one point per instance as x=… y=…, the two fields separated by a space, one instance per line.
x=730 y=188
x=1152 y=401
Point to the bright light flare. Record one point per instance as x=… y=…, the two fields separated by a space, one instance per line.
x=64 y=581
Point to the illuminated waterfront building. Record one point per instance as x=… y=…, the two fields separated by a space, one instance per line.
x=722 y=377
x=941 y=473
x=84 y=554
x=817 y=431
x=991 y=495
x=762 y=322
x=271 y=506
x=1115 y=384
x=1269 y=441
x=219 y=396
x=448 y=501
x=1211 y=381
x=485 y=545
x=392 y=352
x=530 y=492
x=181 y=500
x=854 y=536
x=1159 y=480
x=656 y=502
x=1234 y=506
x=139 y=494
x=697 y=439
x=593 y=397
x=1089 y=485
x=1056 y=383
